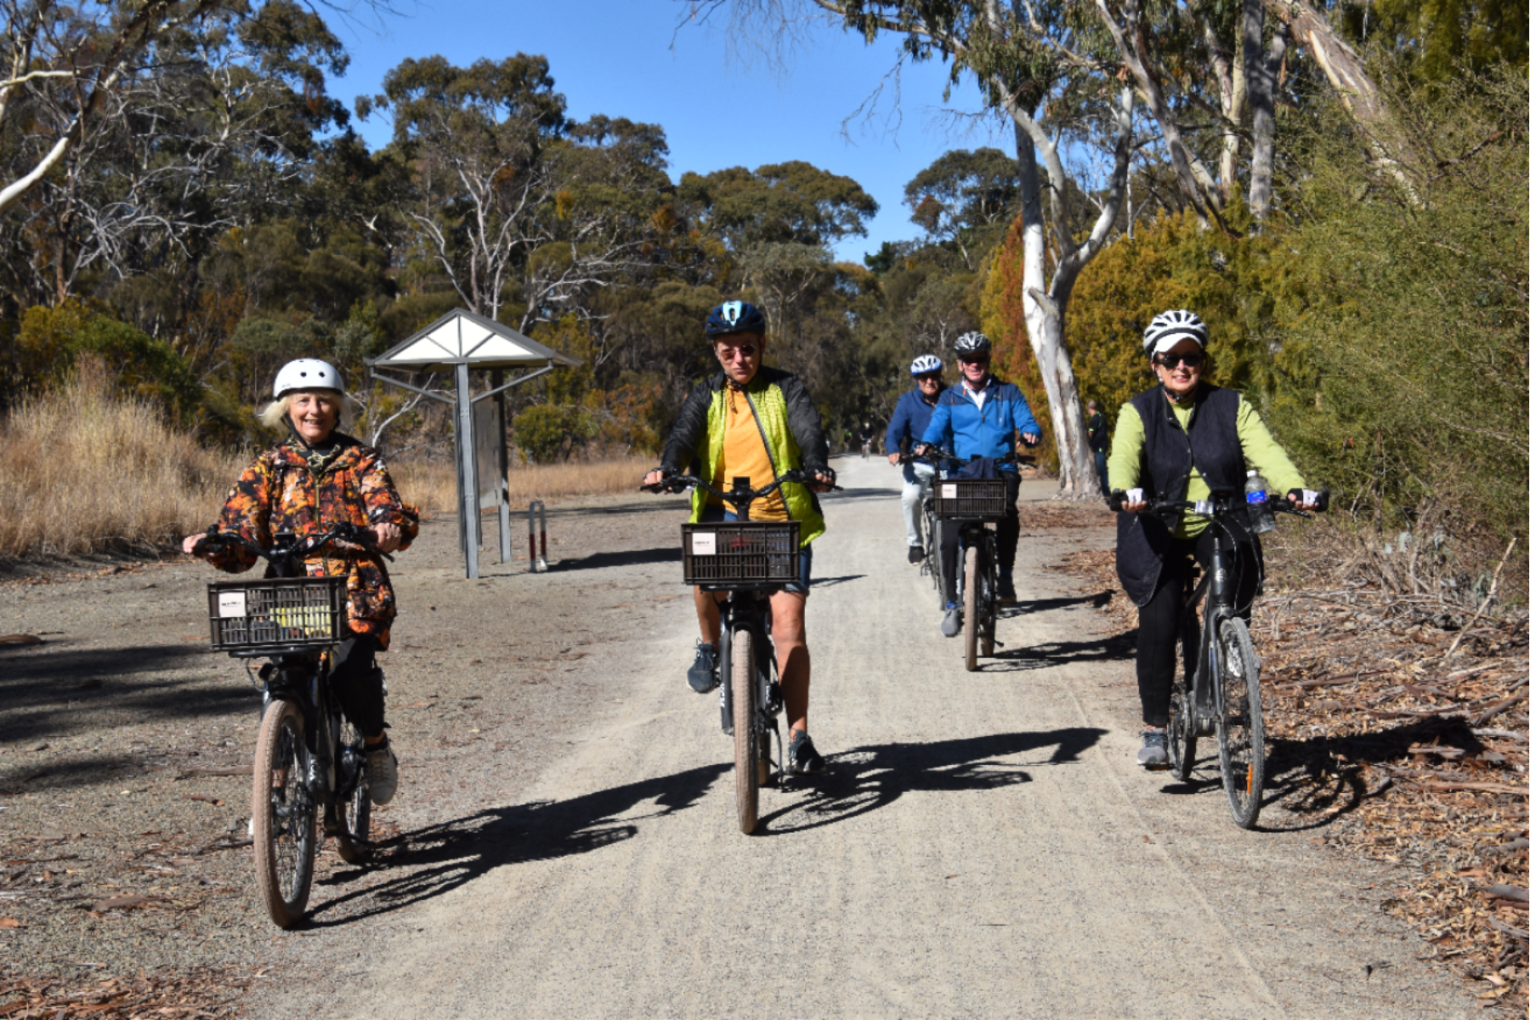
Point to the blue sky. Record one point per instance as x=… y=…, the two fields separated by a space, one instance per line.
x=624 y=58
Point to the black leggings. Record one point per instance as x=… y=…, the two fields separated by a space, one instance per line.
x=1159 y=622
x=1008 y=536
x=358 y=683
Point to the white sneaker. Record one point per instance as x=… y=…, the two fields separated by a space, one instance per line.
x=382 y=774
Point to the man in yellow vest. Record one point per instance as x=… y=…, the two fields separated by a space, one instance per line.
x=758 y=423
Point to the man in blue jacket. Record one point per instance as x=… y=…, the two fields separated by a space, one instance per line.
x=906 y=430
x=979 y=418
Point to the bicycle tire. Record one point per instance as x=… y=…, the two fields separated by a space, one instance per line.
x=932 y=557
x=988 y=599
x=283 y=815
x=355 y=812
x=972 y=578
x=746 y=735
x=1240 y=724
x=1181 y=736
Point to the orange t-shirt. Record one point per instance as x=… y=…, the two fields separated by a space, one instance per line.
x=744 y=454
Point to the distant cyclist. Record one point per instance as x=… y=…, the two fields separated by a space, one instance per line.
x=1180 y=440
x=980 y=418
x=910 y=418
x=315 y=478
x=758 y=423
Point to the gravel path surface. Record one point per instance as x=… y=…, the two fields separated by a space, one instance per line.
x=125 y=745
x=982 y=845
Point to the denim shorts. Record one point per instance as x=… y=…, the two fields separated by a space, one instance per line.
x=722 y=515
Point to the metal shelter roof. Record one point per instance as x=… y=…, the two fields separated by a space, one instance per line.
x=461 y=338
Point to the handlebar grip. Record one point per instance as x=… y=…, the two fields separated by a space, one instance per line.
x=1116 y=499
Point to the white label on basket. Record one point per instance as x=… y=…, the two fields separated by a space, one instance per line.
x=704 y=543
x=948 y=492
x=230 y=603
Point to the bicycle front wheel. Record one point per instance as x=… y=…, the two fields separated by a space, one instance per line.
x=283 y=815
x=1240 y=728
x=971 y=624
x=746 y=735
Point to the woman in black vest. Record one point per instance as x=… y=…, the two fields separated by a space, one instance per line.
x=1181 y=440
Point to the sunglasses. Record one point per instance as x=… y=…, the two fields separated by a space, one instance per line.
x=1191 y=360
x=732 y=353
x=973 y=361
x=934 y=377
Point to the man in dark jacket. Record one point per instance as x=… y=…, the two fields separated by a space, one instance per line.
x=1098 y=441
x=758 y=423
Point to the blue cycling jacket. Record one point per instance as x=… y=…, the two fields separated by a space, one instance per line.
x=910 y=418
x=957 y=423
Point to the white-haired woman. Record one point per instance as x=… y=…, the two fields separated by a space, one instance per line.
x=318 y=477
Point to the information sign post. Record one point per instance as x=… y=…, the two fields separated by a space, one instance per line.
x=460 y=343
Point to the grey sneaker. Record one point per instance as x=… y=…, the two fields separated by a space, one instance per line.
x=702 y=675
x=382 y=773
x=915 y=553
x=952 y=624
x=1155 y=750
x=801 y=756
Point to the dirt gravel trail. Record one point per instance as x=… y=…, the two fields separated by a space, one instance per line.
x=982 y=844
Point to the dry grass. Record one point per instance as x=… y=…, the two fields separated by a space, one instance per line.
x=82 y=471
x=432 y=485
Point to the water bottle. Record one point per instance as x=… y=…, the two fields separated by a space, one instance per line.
x=1260 y=515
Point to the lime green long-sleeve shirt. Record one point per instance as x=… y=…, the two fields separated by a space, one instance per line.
x=1260 y=450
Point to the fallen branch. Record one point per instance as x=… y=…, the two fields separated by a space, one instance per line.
x=1518 y=791
x=1499 y=708
x=1492 y=591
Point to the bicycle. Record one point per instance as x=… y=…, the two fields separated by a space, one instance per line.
x=1222 y=696
x=748 y=561
x=971 y=504
x=307 y=755
x=930 y=565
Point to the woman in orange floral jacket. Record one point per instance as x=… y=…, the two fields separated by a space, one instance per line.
x=314 y=479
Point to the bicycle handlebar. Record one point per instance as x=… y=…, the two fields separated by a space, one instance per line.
x=354 y=534
x=938 y=456
x=674 y=483
x=1219 y=504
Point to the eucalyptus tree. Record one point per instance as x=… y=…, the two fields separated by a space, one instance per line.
x=214 y=129
x=1046 y=70
x=962 y=197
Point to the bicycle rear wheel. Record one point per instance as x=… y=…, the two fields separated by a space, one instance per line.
x=932 y=558
x=283 y=815
x=355 y=812
x=746 y=735
x=988 y=600
x=972 y=579
x=1181 y=732
x=1240 y=728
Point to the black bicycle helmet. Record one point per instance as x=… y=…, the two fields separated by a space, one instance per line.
x=973 y=343
x=1169 y=328
x=734 y=317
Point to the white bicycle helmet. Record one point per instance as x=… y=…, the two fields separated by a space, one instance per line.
x=307 y=374
x=973 y=343
x=924 y=364
x=1169 y=328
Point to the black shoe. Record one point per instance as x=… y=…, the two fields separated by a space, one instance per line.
x=1007 y=592
x=915 y=553
x=702 y=676
x=801 y=756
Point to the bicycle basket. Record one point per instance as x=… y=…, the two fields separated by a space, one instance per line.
x=969 y=499
x=743 y=554
x=280 y=612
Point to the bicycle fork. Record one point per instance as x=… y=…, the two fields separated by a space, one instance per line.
x=768 y=698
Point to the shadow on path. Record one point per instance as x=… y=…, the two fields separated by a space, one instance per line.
x=868 y=778
x=433 y=861
x=1114 y=648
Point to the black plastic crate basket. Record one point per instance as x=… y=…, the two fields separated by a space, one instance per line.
x=969 y=499
x=281 y=612
x=743 y=554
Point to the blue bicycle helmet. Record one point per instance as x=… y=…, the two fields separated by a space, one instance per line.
x=925 y=364
x=735 y=317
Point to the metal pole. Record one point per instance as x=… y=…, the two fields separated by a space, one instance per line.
x=469 y=470
x=502 y=490
x=532 y=509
